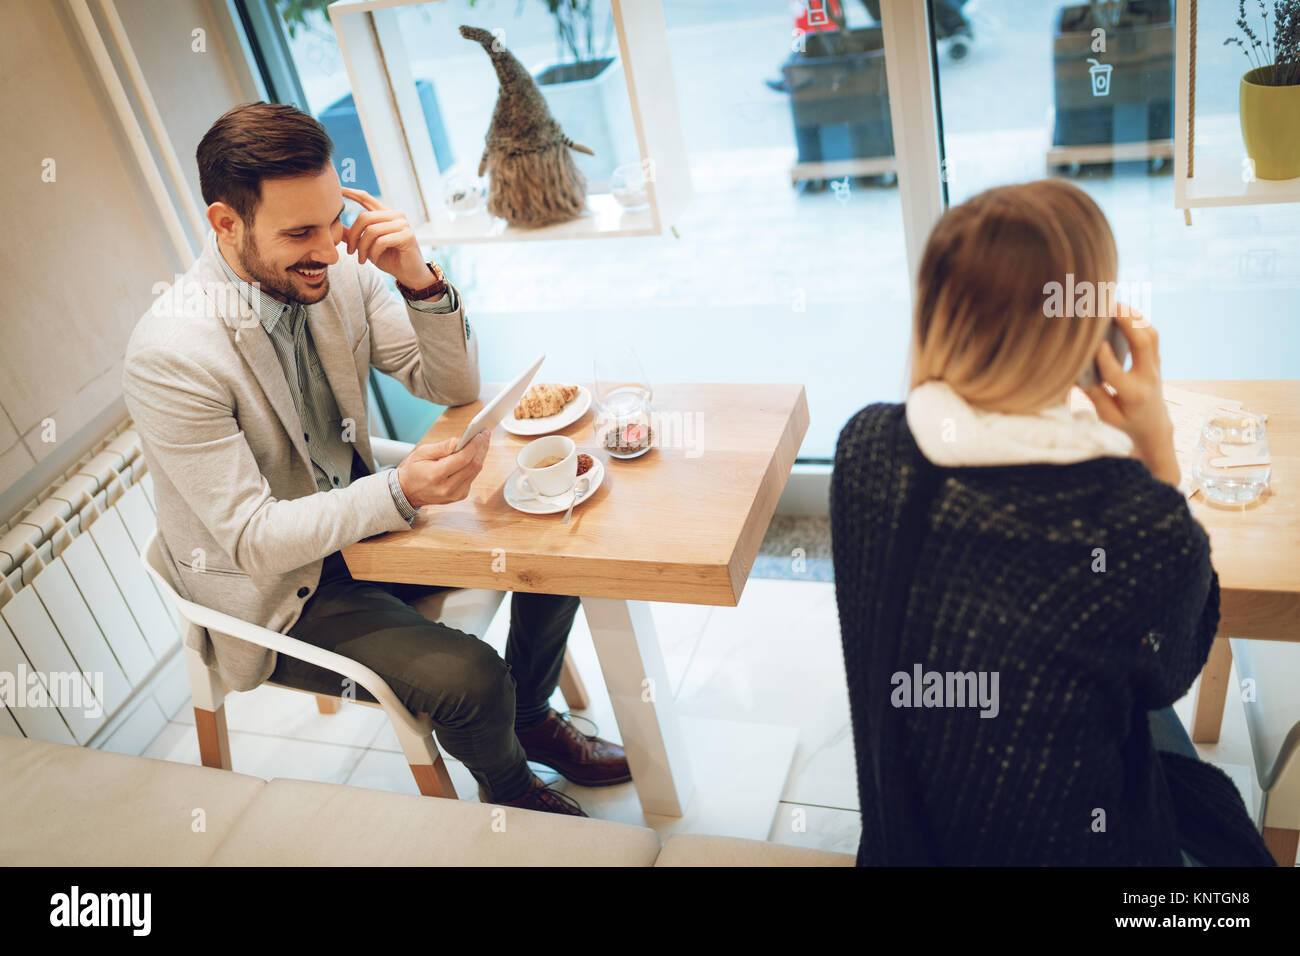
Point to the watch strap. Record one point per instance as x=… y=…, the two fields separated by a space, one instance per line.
x=438 y=288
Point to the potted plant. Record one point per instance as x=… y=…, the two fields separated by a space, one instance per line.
x=839 y=100
x=1270 y=90
x=1113 y=72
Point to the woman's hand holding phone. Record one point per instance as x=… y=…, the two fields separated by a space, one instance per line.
x=1135 y=403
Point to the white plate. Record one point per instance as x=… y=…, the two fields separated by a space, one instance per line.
x=553 y=504
x=567 y=415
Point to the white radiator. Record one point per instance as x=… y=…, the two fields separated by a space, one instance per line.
x=82 y=625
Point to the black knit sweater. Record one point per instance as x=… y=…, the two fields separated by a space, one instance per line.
x=996 y=570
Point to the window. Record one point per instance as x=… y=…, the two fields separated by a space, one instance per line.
x=1222 y=292
x=789 y=262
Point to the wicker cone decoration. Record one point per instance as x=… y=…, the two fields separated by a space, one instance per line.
x=533 y=181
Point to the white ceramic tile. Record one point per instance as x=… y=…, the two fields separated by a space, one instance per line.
x=817 y=828
x=171 y=688
x=385 y=739
x=825 y=771
x=276 y=712
x=262 y=756
x=770 y=658
x=739 y=770
x=383 y=770
x=776 y=658
x=270 y=757
x=136 y=732
x=174 y=742
x=680 y=627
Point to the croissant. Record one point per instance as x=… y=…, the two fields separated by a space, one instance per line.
x=541 y=401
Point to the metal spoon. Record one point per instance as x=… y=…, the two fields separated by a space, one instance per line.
x=586 y=482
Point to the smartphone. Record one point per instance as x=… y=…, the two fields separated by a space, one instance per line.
x=1119 y=345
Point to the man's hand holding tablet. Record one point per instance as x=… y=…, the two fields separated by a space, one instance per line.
x=436 y=474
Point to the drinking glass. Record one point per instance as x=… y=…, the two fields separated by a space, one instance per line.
x=621 y=396
x=462 y=193
x=628 y=185
x=1232 y=456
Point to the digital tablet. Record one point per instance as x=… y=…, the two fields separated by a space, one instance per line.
x=491 y=414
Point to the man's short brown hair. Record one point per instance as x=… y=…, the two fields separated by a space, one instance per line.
x=258 y=141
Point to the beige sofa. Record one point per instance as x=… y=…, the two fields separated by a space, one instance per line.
x=72 y=806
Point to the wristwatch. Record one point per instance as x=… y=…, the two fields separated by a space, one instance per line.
x=438 y=288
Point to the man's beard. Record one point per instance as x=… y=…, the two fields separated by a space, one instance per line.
x=277 y=283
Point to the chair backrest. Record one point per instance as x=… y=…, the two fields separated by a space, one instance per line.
x=205 y=617
x=197 y=614
x=152 y=559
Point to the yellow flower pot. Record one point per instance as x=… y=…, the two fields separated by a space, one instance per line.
x=1270 y=126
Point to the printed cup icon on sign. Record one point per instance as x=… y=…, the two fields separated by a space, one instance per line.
x=1100 y=74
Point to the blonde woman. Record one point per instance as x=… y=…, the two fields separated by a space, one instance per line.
x=1022 y=590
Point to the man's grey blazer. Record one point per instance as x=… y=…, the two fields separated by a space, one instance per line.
x=242 y=525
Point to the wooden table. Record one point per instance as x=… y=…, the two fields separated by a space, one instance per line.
x=682 y=523
x=1256 y=549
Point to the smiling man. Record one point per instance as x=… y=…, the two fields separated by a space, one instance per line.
x=251 y=408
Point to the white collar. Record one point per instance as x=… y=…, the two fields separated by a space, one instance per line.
x=952 y=433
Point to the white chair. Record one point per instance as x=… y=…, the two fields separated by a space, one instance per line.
x=1273 y=722
x=466 y=609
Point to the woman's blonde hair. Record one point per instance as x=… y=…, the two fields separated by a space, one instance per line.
x=1000 y=312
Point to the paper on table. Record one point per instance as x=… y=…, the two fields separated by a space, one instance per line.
x=1188 y=410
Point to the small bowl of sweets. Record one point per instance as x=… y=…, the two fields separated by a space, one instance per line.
x=625 y=439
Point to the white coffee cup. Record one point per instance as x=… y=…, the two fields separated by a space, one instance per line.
x=554 y=479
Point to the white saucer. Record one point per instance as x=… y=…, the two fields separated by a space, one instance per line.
x=567 y=415
x=553 y=504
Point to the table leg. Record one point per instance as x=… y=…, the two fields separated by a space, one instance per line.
x=639 y=690
x=1207 y=709
x=571 y=685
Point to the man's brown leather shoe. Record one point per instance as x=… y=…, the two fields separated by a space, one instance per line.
x=585 y=760
x=538 y=796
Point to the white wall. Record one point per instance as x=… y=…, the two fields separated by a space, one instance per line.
x=83 y=253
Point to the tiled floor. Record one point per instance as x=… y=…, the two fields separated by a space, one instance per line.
x=774 y=659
